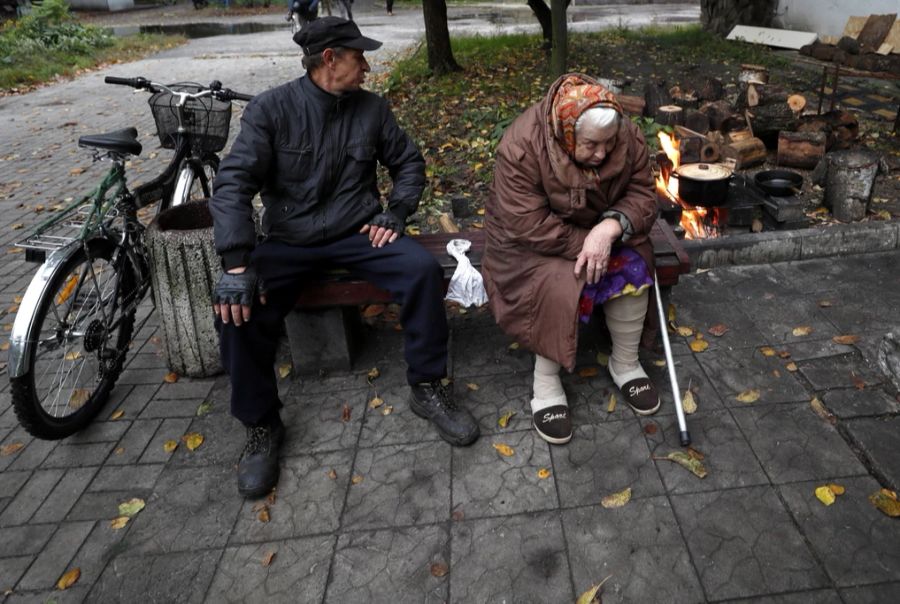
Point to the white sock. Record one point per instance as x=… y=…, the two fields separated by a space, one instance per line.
x=547 y=385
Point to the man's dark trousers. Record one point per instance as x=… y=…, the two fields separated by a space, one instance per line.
x=404 y=268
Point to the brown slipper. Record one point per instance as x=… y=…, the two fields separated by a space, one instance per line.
x=637 y=390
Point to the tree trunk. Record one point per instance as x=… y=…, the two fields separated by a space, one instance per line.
x=559 y=56
x=542 y=13
x=720 y=16
x=437 y=37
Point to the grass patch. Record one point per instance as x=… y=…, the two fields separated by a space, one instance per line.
x=27 y=71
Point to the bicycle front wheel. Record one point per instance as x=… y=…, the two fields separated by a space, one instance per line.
x=195 y=179
x=81 y=328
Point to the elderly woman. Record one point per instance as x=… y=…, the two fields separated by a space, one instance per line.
x=568 y=221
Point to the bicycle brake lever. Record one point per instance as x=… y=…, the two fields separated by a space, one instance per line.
x=215 y=85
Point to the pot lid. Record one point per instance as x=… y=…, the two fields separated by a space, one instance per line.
x=704 y=171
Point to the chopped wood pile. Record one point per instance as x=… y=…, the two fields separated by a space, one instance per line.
x=868 y=44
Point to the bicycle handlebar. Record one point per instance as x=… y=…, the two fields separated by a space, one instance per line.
x=215 y=89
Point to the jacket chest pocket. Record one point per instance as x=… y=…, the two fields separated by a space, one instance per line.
x=362 y=155
x=293 y=165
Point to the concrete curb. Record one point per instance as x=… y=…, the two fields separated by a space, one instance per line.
x=801 y=244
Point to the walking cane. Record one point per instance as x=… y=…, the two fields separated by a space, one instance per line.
x=683 y=434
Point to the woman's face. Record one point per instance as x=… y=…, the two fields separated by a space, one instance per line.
x=593 y=144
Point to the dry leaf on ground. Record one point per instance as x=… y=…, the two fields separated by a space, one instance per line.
x=768 y=351
x=345 y=413
x=373 y=374
x=356 y=479
x=803 y=330
x=170 y=445
x=587 y=372
x=192 y=440
x=590 y=596
x=387 y=409
x=7 y=450
x=373 y=310
x=616 y=500
x=204 y=408
x=846 y=340
x=650 y=429
x=688 y=403
x=117 y=414
x=131 y=507
x=263 y=514
x=439 y=569
x=170 y=378
x=694 y=453
x=376 y=402
x=284 y=370
x=748 y=396
x=68 y=579
x=825 y=495
x=513 y=346
x=503 y=420
x=886 y=501
x=267 y=559
x=504 y=450
x=821 y=411
x=79 y=397
x=718 y=330
x=784 y=354
x=660 y=362
x=792 y=367
x=611 y=406
x=543 y=473
x=472 y=386
x=684 y=332
x=119 y=522
x=602 y=359
x=824 y=303
x=688 y=462
x=836 y=488
x=857 y=381
x=698 y=344
x=332 y=474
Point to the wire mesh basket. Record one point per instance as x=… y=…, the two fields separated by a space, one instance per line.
x=206 y=120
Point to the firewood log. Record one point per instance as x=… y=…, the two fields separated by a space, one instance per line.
x=717 y=112
x=686 y=99
x=840 y=127
x=670 y=115
x=766 y=121
x=753 y=73
x=800 y=149
x=656 y=95
x=633 y=105
x=712 y=90
x=747 y=152
x=447 y=224
x=797 y=102
x=696 y=120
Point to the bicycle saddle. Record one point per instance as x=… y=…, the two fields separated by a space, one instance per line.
x=122 y=141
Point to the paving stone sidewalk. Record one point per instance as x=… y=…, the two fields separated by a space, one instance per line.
x=376 y=508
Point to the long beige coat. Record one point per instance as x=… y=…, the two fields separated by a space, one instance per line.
x=540 y=209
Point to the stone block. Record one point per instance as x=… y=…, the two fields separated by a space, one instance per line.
x=54 y=558
x=172 y=577
x=879 y=440
x=322 y=339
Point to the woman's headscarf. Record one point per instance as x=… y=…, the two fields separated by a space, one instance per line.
x=574 y=97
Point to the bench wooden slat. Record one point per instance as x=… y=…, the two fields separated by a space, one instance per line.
x=340 y=289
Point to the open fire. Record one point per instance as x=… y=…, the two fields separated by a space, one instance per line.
x=698 y=222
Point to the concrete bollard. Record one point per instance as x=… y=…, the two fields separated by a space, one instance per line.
x=185 y=268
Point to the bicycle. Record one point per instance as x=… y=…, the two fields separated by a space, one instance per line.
x=77 y=318
x=300 y=13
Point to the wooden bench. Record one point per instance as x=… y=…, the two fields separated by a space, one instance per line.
x=323 y=326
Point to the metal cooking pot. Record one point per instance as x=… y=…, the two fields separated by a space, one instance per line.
x=779 y=183
x=704 y=185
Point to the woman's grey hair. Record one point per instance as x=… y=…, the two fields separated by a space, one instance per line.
x=601 y=118
x=312 y=62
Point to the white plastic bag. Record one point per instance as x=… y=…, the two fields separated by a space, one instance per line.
x=466 y=285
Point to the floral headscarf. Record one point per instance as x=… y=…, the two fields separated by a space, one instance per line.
x=574 y=97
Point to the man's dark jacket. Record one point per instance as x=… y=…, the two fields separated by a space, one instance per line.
x=311 y=156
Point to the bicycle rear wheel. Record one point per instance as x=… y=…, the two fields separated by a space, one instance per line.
x=80 y=335
x=195 y=179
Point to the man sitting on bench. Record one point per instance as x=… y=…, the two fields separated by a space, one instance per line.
x=309 y=147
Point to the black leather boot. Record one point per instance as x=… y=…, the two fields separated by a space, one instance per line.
x=258 y=467
x=434 y=402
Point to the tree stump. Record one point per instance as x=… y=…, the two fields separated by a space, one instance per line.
x=889 y=356
x=670 y=115
x=800 y=149
x=849 y=180
x=185 y=268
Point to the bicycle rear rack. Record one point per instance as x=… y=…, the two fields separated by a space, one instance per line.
x=57 y=234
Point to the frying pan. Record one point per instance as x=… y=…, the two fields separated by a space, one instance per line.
x=779 y=183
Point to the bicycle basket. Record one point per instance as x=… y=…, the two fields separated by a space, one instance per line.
x=206 y=119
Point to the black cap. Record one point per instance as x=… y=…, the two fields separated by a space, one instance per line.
x=331 y=32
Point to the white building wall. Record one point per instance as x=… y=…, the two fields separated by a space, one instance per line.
x=828 y=17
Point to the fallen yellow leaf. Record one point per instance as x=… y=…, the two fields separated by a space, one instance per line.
x=332 y=474
x=590 y=596
x=117 y=414
x=821 y=411
x=684 y=332
x=356 y=479
x=68 y=579
x=373 y=373
x=503 y=421
x=803 y=330
x=792 y=366
x=825 y=495
x=284 y=370
x=4 y=346
x=119 y=450
x=616 y=500
x=543 y=473
x=846 y=340
x=660 y=362
x=170 y=445
x=387 y=409
x=688 y=404
x=171 y=377
x=73 y=355
x=376 y=402
x=204 y=408
x=836 y=488
x=263 y=514
x=7 y=450
x=886 y=501
x=611 y=406
x=504 y=450
x=587 y=372
x=192 y=440
x=267 y=559
x=824 y=303
x=768 y=351
x=131 y=507
x=670 y=314
x=439 y=569
x=748 y=396
x=119 y=522
x=686 y=461
x=698 y=345
x=513 y=346
x=602 y=359
x=472 y=386
x=373 y=310
x=79 y=397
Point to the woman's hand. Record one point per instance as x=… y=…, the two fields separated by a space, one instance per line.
x=594 y=255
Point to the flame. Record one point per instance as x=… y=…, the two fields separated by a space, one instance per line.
x=694 y=220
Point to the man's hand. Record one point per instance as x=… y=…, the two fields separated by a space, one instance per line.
x=233 y=295
x=594 y=256
x=383 y=228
